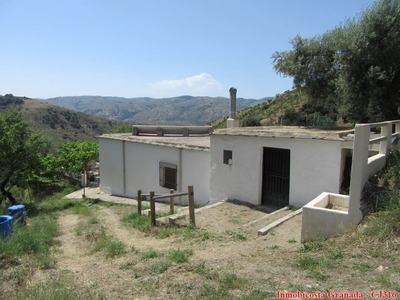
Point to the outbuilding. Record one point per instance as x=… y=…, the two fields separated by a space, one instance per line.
x=277 y=166
x=151 y=159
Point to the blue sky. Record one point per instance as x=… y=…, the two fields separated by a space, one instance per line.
x=155 y=48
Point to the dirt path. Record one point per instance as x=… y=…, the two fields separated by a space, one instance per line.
x=223 y=249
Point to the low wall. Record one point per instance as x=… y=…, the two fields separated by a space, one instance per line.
x=320 y=217
x=326 y=216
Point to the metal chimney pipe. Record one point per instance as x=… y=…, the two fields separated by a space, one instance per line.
x=233 y=91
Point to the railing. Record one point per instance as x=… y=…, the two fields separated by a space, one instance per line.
x=366 y=162
x=171 y=197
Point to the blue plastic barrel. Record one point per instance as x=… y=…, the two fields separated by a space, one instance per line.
x=17 y=212
x=6 y=224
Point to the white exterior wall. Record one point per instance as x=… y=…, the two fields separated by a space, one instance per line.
x=142 y=169
x=314 y=168
x=111 y=166
x=196 y=171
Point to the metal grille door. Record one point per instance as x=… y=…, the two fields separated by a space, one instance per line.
x=276 y=177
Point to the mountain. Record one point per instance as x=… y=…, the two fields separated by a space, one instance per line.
x=183 y=110
x=60 y=124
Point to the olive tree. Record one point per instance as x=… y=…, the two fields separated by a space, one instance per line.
x=356 y=64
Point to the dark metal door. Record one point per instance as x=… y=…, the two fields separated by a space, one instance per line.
x=276 y=177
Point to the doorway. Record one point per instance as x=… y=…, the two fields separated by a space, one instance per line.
x=276 y=177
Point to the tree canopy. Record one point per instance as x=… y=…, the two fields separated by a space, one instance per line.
x=356 y=64
x=74 y=156
x=19 y=152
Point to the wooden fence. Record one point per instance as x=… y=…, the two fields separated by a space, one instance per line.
x=171 y=197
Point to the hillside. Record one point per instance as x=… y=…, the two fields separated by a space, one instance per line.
x=183 y=110
x=60 y=124
x=268 y=113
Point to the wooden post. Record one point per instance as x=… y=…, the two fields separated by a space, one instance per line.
x=152 y=209
x=191 y=205
x=139 y=202
x=171 y=203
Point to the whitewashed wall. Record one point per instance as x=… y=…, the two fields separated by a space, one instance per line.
x=314 y=168
x=111 y=166
x=142 y=169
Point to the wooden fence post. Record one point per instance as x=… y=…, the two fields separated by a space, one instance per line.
x=191 y=205
x=139 y=202
x=152 y=209
x=171 y=203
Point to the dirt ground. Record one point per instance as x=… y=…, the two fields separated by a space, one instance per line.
x=228 y=258
x=221 y=251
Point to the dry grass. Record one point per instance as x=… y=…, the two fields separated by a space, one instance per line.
x=201 y=263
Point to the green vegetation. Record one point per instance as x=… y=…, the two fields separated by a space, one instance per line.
x=180 y=256
x=75 y=156
x=59 y=124
x=272 y=112
x=354 y=65
x=19 y=153
x=141 y=222
x=237 y=236
x=379 y=226
x=36 y=240
x=150 y=253
x=179 y=272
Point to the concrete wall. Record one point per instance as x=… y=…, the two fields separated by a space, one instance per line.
x=315 y=167
x=127 y=167
x=318 y=220
x=111 y=166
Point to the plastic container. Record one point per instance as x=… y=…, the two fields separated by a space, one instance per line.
x=6 y=224
x=17 y=212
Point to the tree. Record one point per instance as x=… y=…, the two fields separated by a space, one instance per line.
x=356 y=64
x=75 y=156
x=19 y=153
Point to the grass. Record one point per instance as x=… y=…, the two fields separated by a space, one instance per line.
x=195 y=234
x=185 y=266
x=237 y=236
x=102 y=242
x=180 y=256
x=274 y=247
x=232 y=281
x=35 y=239
x=160 y=267
x=150 y=253
x=140 y=222
x=115 y=248
x=207 y=273
x=60 y=287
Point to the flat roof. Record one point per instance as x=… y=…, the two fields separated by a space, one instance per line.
x=202 y=142
x=193 y=142
x=288 y=132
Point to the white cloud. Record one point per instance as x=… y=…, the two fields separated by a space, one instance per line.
x=199 y=85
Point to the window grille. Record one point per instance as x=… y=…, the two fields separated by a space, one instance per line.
x=227 y=157
x=168 y=175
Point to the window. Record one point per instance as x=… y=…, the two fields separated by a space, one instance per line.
x=168 y=175
x=227 y=157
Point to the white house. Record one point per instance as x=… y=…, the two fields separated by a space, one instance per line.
x=276 y=166
x=156 y=163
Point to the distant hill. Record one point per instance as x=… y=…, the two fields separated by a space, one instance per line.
x=61 y=124
x=268 y=113
x=183 y=110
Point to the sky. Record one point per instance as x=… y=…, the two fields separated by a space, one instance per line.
x=155 y=48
